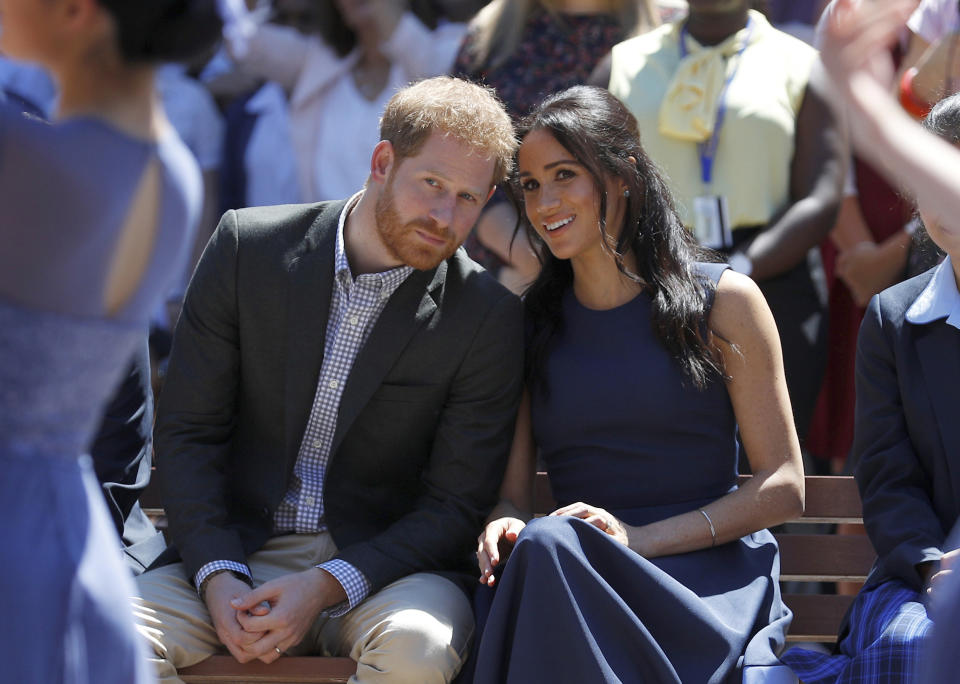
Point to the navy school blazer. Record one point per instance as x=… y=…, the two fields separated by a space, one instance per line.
x=907 y=432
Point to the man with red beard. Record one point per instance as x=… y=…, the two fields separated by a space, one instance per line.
x=337 y=413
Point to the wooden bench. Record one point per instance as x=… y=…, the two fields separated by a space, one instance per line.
x=804 y=557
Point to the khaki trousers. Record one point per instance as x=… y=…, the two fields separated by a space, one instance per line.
x=416 y=630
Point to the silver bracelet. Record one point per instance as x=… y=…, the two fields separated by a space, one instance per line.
x=713 y=530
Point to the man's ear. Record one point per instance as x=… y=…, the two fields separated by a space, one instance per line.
x=382 y=161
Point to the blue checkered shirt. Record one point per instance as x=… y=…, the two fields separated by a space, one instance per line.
x=355 y=306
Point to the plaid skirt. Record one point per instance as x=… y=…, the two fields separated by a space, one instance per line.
x=888 y=629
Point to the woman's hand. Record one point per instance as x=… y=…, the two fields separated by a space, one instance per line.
x=493 y=545
x=597 y=517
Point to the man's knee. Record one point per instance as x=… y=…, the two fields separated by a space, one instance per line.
x=426 y=640
x=172 y=618
x=413 y=647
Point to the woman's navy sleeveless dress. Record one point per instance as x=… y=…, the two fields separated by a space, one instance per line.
x=65 y=192
x=621 y=428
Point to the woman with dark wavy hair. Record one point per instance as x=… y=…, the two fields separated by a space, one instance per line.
x=97 y=212
x=643 y=361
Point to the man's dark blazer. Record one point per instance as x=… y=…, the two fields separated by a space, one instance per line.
x=907 y=436
x=425 y=420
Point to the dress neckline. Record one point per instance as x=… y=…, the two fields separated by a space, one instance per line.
x=583 y=307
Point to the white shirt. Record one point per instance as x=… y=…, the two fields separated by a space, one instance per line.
x=269 y=161
x=939 y=299
x=322 y=107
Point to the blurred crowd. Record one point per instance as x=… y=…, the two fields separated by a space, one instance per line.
x=286 y=110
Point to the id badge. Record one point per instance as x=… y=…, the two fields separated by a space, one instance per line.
x=711 y=221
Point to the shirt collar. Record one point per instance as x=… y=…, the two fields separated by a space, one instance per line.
x=939 y=299
x=387 y=281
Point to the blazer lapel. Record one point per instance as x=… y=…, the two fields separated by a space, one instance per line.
x=938 y=346
x=410 y=307
x=309 y=286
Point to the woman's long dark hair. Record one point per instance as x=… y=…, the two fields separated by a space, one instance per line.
x=602 y=135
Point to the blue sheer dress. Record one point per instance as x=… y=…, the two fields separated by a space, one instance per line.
x=65 y=194
x=621 y=428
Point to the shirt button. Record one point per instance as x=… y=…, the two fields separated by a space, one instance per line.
x=333 y=384
x=309 y=501
x=317 y=444
x=354 y=320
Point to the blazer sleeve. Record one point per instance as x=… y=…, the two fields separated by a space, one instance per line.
x=897 y=508
x=196 y=410
x=465 y=467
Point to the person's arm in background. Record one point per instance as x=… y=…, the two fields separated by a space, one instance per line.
x=855 y=51
x=816 y=182
x=279 y=53
x=863 y=265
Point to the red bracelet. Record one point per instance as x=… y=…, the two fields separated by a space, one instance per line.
x=912 y=104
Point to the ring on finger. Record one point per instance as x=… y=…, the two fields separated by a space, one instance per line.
x=277 y=649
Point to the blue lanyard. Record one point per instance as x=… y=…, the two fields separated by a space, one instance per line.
x=708 y=150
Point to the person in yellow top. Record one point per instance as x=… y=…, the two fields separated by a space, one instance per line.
x=732 y=111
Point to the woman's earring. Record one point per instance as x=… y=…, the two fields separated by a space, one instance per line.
x=626 y=192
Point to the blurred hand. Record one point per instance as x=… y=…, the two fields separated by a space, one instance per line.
x=857 y=39
x=494 y=544
x=598 y=517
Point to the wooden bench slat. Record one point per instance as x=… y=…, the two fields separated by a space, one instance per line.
x=816 y=617
x=223 y=669
x=832 y=498
x=829 y=499
x=825 y=557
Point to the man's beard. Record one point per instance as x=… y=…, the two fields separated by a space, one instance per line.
x=402 y=242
